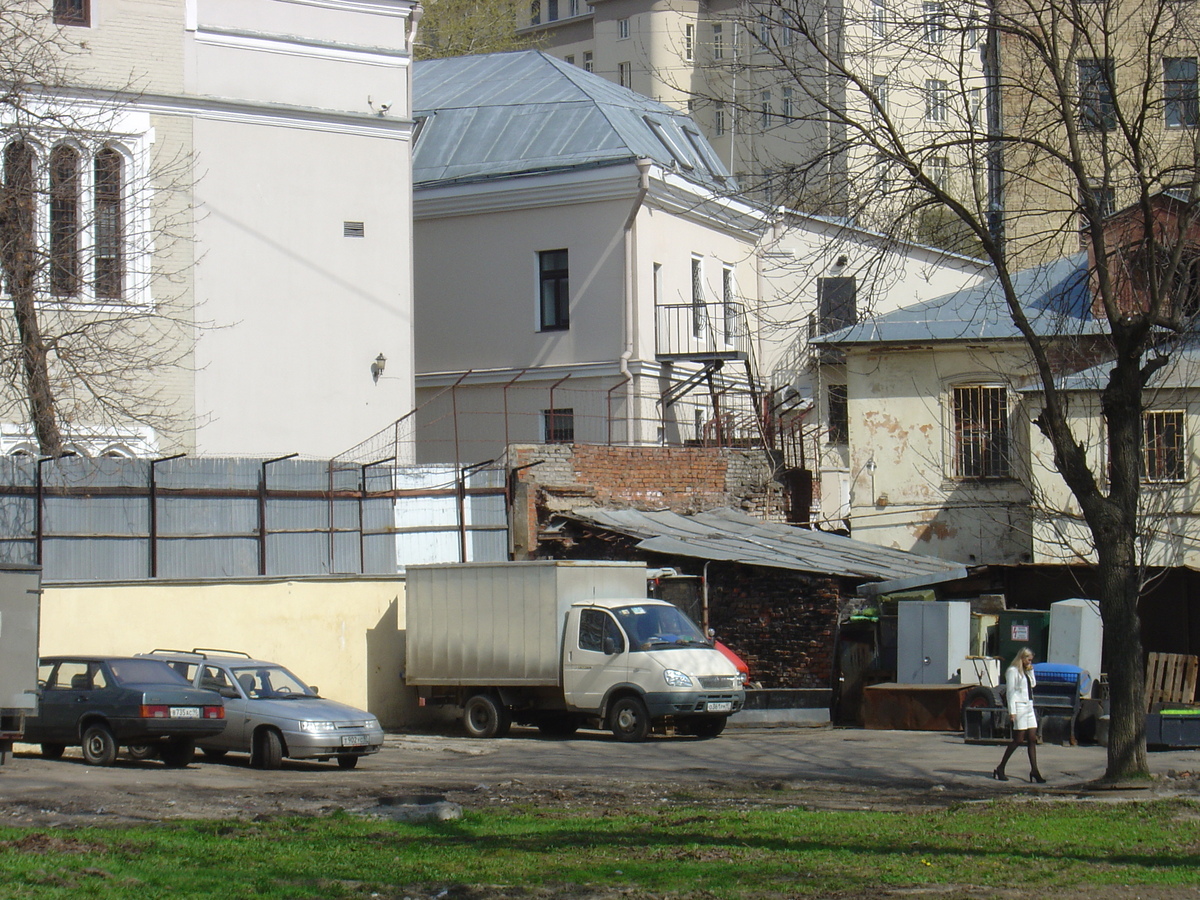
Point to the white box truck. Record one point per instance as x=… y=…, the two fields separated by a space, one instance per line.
x=562 y=645
x=20 y=608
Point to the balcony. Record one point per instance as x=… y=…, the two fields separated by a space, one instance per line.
x=701 y=332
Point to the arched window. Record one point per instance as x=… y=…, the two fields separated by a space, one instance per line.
x=109 y=262
x=64 y=222
x=16 y=220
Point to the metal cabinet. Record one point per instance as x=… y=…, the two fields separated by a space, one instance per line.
x=933 y=640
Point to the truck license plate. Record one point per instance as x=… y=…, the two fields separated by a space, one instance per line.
x=185 y=712
x=719 y=706
x=354 y=740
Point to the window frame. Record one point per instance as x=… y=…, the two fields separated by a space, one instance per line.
x=1181 y=95
x=623 y=29
x=1097 y=100
x=108 y=218
x=76 y=13
x=837 y=404
x=65 y=199
x=1162 y=464
x=933 y=21
x=558 y=425
x=937 y=100
x=699 y=307
x=972 y=456
x=554 y=290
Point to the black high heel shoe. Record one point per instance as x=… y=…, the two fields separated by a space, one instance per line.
x=1036 y=778
x=999 y=775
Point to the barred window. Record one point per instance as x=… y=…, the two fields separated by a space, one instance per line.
x=72 y=12
x=558 y=426
x=109 y=215
x=64 y=222
x=839 y=414
x=981 y=439
x=699 y=311
x=1162 y=437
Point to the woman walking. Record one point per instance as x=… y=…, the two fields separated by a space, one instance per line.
x=1019 y=681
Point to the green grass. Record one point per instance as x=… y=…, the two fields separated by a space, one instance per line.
x=679 y=851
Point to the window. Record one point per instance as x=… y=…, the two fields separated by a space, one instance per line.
x=1162 y=436
x=879 y=17
x=699 y=313
x=558 y=426
x=883 y=172
x=17 y=236
x=1181 y=101
x=719 y=118
x=64 y=222
x=572 y=7
x=1097 y=110
x=551 y=10
x=72 y=12
x=976 y=106
x=109 y=212
x=764 y=30
x=764 y=109
x=837 y=304
x=554 y=302
x=839 y=414
x=569 y=59
x=788 y=110
x=535 y=12
x=718 y=42
x=934 y=21
x=689 y=42
x=625 y=74
x=879 y=88
x=980 y=431
x=938 y=170
x=622 y=29
x=595 y=627
x=936 y=97
x=787 y=36
x=729 y=304
x=587 y=60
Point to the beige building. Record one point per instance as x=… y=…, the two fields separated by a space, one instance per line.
x=220 y=205
x=752 y=79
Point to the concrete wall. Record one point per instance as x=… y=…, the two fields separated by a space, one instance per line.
x=343 y=635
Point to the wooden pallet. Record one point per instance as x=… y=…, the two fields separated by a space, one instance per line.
x=1170 y=678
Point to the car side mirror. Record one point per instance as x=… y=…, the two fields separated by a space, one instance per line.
x=314 y=689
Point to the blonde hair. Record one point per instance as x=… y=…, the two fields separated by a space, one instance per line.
x=1021 y=654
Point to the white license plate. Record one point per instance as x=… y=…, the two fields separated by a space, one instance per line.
x=354 y=740
x=185 y=712
x=719 y=706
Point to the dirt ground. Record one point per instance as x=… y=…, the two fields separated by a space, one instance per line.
x=419 y=772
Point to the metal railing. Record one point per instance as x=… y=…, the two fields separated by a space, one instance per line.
x=701 y=331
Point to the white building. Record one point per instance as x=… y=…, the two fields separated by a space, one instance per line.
x=582 y=276
x=254 y=159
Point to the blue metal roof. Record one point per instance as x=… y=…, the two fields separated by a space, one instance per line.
x=506 y=114
x=1056 y=297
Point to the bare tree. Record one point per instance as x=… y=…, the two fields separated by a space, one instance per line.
x=87 y=218
x=1016 y=129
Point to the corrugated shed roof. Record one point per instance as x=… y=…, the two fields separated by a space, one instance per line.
x=505 y=114
x=1056 y=296
x=726 y=534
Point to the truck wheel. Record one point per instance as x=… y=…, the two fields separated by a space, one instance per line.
x=708 y=727
x=53 y=751
x=268 y=750
x=99 y=746
x=629 y=720
x=484 y=717
x=177 y=754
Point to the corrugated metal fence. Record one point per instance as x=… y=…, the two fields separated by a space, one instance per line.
x=85 y=519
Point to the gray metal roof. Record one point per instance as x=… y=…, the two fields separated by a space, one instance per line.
x=1056 y=297
x=726 y=534
x=505 y=114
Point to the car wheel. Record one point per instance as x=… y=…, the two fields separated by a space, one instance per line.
x=213 y=752
x=99 y=746
x=268 y=750
x=141 y=751
x=178 y=754
x=53 y=751
x=347 y=762
x=485 y=717
x=629 y=720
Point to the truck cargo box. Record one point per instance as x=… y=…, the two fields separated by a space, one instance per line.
x=501 y=623
x=20 y=603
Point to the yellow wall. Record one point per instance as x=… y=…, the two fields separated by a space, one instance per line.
x=344 y=635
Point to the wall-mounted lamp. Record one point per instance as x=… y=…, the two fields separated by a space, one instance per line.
x=871 y=465
x=842 y=261
x=378 y=366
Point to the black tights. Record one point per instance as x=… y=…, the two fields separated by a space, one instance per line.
x=1029 y=735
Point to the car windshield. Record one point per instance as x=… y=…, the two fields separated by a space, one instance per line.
x=654 y=627
x=145 y=671
x=270 y=683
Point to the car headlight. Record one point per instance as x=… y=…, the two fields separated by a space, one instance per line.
x=675 y=678
x=317 y=727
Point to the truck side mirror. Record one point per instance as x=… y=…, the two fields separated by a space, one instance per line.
x=612 y=646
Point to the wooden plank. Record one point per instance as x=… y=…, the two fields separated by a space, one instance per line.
x=1171 y=678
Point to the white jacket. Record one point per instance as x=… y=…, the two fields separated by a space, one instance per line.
x=1017 y=689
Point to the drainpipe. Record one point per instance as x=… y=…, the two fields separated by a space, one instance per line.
x=643 y=167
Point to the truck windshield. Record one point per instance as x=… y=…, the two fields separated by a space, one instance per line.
x=653 y=627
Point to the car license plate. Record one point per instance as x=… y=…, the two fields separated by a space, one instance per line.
x=719 y=706
x=354 y=740
x=185 y=712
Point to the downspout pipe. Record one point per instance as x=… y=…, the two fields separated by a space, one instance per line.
x=630 y=312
